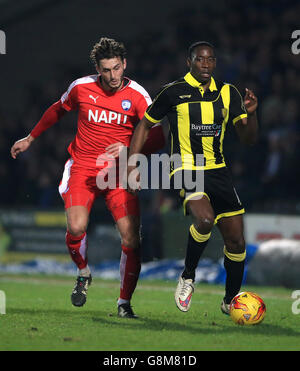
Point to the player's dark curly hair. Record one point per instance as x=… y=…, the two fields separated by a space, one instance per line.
x=107 y=48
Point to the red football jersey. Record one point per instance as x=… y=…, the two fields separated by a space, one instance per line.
x=103 y=117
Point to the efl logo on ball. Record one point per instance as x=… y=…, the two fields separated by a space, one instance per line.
x=247 y=308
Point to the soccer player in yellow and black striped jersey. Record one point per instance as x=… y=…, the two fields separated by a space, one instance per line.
x=198 y=109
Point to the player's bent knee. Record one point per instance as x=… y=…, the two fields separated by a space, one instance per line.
x=76 y=228
x=77 y=220
x=235 y=245
x=131 y=241
x=204 y=224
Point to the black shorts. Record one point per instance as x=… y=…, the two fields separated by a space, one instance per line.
x=218 y=188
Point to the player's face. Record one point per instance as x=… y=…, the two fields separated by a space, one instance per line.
x=112 y=73
x=202 y=64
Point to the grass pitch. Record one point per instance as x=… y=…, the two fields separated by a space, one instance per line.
x=39 y=316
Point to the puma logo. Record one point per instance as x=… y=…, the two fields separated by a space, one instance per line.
x=94 y=99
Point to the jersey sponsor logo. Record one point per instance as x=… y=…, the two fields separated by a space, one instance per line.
x=126 y=104
x=107 y=117
x=207 y=130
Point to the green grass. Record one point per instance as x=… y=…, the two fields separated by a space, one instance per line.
x=39 y=316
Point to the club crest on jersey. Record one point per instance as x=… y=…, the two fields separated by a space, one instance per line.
x=126 y=104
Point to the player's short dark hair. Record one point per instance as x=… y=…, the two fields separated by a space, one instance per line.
x=197 y=44
x=107 y=48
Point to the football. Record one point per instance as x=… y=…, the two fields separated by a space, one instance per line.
x=247 y=308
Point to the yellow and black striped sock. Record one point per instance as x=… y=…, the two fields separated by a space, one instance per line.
x=234 y=266
x=196 y=245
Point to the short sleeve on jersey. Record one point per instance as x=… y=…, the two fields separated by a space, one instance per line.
x=141 y=98
x=69 y=99
x=142 y=103
x=160 y=107
x=237 y=109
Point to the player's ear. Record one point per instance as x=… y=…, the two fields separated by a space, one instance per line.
x=124 y=63
x=188 y=62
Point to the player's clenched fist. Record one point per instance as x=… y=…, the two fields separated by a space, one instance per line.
x=21 y=146
x=250 y=101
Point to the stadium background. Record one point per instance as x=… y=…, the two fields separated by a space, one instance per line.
x=48 y=46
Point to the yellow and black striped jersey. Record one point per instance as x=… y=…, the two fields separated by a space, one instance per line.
x=197 y=118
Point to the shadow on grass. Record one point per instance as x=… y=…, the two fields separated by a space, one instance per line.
x=205 y=326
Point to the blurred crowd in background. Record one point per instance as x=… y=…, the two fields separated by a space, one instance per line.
x=253 y=51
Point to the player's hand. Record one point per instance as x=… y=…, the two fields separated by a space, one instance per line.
x=21 y=146
x=133 y=179
x=250 y=101
x=115 y=149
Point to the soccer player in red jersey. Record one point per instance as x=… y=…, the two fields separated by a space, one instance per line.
x=109 y=106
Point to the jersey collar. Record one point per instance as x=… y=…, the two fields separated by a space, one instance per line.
x=196 y=84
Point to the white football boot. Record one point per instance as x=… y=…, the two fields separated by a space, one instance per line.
x=225 y=308
x=183 y=294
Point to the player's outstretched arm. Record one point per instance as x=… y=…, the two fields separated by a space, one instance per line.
x=49 y=118
x=21 y=146
x=247 y=128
